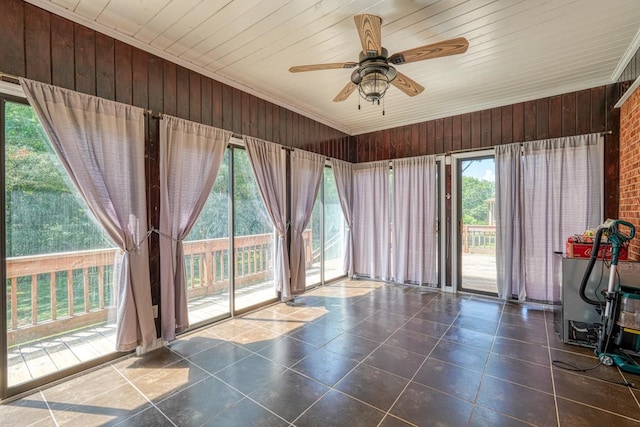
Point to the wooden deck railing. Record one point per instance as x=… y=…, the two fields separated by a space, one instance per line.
x=477 y=239
x=54 y=293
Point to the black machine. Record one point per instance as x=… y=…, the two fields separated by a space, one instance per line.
x=618 y=340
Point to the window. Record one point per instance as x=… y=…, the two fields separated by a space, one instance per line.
x=253 y=238
x=334 y=229
x=60 y=299
x=325 y=233
x=206 y=251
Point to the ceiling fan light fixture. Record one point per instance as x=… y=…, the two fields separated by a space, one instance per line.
x=373 y=80
x=373 y=86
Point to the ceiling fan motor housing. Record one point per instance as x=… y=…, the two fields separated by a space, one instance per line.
x=373 y=75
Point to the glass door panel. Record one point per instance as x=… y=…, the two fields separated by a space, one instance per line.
x=60 y=300
x=477 y=228
x=334 y=229
x=313 y=243
x=207 y=254
x=254 y=239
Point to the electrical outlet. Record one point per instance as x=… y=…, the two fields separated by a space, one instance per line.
x=155 y=311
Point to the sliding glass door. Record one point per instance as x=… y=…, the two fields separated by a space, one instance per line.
x=226 y=274
x=206 y=252
x=58 y=264
x=232 y=272
x=253 y=239
x=59 y=300
x=324 y=235
x=313 y=238
x=334 y=229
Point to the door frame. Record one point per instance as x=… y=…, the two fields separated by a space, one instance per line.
x=441 y=221
x=456 y=200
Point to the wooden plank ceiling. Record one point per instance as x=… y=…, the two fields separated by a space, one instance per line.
x=518 y=49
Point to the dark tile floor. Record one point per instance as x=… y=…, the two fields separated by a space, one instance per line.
x=359 y=353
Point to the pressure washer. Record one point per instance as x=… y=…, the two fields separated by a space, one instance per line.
x=618 y=340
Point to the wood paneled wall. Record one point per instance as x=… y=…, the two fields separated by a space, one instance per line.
x=42 y=46
x=575 y=113
x=557 y=116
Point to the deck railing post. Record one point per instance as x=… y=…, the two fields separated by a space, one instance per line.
x=14 y=302
x=54 y=301
x=85 y=286
x=34 y=299
x=70 y=291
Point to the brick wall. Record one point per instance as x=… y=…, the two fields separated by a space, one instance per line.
x=629 y=207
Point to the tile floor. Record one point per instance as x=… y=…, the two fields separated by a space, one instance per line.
x=359 y=353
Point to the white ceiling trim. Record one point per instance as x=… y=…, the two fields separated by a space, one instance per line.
x=65 y=13
x=627 y=94
x=627 y=57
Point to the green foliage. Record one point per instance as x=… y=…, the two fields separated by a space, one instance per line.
x=475 y=194
x=45 y=215
x=212 y=222
x=30 y=171
x=31 y=165
x=250 y=215
x=23 y=128
x=42 y=214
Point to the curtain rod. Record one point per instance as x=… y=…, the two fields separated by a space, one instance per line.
x=9 y=78
x=468 y=150
x=159 y=116
x=240 y=136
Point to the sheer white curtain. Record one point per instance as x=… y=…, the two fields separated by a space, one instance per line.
x=306 y=174
x=268 y=163
x=101 y=145
x=190 y=157
x=545 y=192
x=414 y=220
x=371 y=219
x=343 y=173
x=508 y=214
x=561 y=181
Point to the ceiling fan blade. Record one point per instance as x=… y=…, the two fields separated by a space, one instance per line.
x=316 y=67
x=369 y=30
x=345 y=92
x=435 y=50
x=407 y=85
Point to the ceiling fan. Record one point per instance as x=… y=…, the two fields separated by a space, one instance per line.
x=375 y=68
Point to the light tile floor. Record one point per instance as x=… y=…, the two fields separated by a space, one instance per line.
x=48 y=355
x=359 y=353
